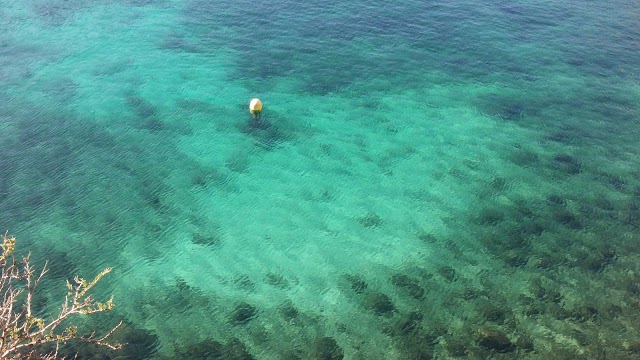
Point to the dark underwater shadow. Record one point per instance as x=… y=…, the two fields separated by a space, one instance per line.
x=138 y=343
x=264 y=133
x=58 y=12
x=509 y=107
x=272 y=130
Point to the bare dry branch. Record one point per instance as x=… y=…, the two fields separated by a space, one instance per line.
x=20 y=331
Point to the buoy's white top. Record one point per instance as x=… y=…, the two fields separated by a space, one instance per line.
x=255 y=105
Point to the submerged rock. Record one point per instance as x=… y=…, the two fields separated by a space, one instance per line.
x=492 y=313
x=242 y=314
x=448 y=273
x=204 y=239
x=524 y=343
x=456 y=347
x=411 y=286
x=632 y=346
x=495 y=340
x=210 y=349
x=288 y=311
x=358 y=285
x=327 y=348
x=277 y=280
x=566 y=164
x=567 y=218
x=138 y=343
x=380 y=304
x=370 y=220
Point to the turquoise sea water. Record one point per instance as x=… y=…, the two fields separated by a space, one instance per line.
x=430 y=180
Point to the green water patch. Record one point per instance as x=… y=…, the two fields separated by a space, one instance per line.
x=417 y=187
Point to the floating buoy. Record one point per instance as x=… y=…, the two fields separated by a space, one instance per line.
x=255 y=105
x=255 y=108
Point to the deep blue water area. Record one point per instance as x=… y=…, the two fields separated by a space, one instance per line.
x=429 y=180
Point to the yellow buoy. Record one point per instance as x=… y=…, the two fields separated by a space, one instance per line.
x=255 y=105
x=255 y=108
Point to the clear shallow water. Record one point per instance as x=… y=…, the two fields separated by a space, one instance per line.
x=429 y=174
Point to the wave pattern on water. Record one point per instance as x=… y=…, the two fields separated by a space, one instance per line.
x=429 y=179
